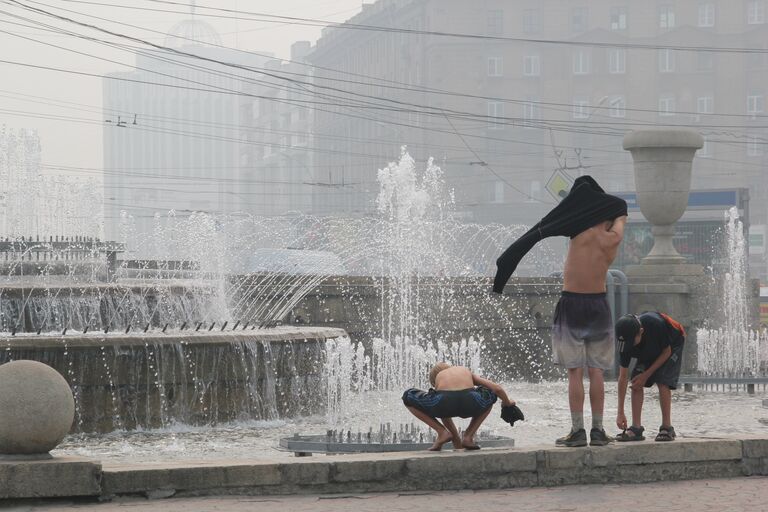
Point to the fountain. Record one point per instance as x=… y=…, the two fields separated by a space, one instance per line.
x=222 y=334
x=731 y=349
x=181 y=325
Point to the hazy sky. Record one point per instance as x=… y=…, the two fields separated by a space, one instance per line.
x=72 y=142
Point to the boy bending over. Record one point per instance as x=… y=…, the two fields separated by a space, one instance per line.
x=656 y=341
x=455 y=392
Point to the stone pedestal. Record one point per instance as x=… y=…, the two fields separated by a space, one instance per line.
x=62 y=477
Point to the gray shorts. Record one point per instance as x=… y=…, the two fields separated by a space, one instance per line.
x=582 y=334
x=667 y=374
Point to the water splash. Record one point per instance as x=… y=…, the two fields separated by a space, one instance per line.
x=429 y=296
x=33 y=201
x=733 y=349
x=256 y=270
x=353 y=374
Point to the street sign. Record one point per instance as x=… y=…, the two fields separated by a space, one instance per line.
x=559 y=185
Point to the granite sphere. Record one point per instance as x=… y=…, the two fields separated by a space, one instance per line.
x=36 y=408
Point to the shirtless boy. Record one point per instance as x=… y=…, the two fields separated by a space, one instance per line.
x=583 y=334
x=456 y=392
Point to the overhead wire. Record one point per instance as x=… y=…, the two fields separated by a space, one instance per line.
x=383 y=81
x=454 y=129
x=268 y=18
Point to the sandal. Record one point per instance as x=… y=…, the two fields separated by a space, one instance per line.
x=631 y=434
x=666 y=434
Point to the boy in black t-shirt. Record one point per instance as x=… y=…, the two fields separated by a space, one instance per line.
x=656 y=341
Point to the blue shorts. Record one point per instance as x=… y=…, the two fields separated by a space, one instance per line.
x=464 y=403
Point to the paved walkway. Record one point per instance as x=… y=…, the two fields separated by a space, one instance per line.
x=698 y=495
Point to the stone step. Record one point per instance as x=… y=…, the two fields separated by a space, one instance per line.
x=683 y=459
x=425 y=471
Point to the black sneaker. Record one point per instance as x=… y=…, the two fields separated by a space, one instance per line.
x=574 y=439
x=598 y=437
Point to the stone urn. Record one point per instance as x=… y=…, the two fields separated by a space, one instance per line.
x=663 y=160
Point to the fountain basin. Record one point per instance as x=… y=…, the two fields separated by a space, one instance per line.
x=156 y=380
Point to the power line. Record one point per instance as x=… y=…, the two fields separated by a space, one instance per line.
x=485 y=165
x=556 y=124
x=272 y=18
x=382 y=81
x=533 y=123
x=429 y=110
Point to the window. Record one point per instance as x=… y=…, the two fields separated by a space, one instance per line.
x=531 y=65
x=705 y=61
x=756 y=12
x=666 y=17
x=581 y=62
x=535 y=190
x=755 y=104
x=531 y=21
x=495 y=22
x=495 y=110
x=530 y=111
x=498 y=192
x=707 y=14
x=579 y=19
x=758 y=60
x=705 y=105
x=666 y=61
x=618 y=107
x=706 y=149
x=495 y=66
x=667 y=105
x=300 y=139
x=618 y=18
x=754 y=146
x=617 y=61
x=580 y=108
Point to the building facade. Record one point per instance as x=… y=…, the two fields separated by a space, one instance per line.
x=174 y=138
x=503 y=112
x=280 y=156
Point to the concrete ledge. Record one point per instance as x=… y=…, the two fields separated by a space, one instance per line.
x=52 y=478
x=188 y=337
x=423 y=471
x=404 y=471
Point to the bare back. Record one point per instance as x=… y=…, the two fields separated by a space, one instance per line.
x=590 y=254
x=454 y=378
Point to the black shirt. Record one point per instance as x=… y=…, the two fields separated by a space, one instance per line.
x=586 y=205
x=657 y=335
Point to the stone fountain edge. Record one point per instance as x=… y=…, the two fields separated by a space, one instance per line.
x=685 y=459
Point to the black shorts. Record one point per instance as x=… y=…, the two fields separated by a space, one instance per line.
x=668 y=374
x=465 y=403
